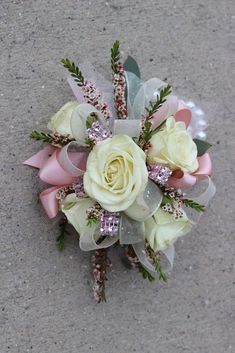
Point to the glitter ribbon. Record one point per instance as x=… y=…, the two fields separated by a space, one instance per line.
x=97 y=132
x=109 y=223
x=158 y=173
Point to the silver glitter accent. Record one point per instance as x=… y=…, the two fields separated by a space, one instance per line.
x=109 y=223
x=79 y=188
x=158 y=173
x=98 y=132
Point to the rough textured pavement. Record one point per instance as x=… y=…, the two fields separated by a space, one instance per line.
x=45 y=297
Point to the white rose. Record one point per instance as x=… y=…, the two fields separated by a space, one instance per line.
x=75 y=210
x=116 y=173
x=174 y=147
x=162 y=230
x=60 y=122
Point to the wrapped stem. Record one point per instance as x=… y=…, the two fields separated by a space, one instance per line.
x=100 y=264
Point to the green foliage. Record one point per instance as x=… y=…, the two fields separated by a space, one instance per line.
x=91 y=221
x=61 y=237
x=147 y=131
x=158 y=127
x=145 y=273
x=166 y=199
x=161 y=274
x=202 y=146
x=74 y=71
x=156 y=105
x=90 y=143
x=115 y=55
x=41 y=136
x=196 y=206
x=131 y=65
x=90 y=120
x=156 y=261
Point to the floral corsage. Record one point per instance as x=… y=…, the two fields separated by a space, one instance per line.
x=119 y=160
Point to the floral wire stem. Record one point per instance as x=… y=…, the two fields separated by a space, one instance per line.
x=100 y=264
x=91 y=94
x=119 y=82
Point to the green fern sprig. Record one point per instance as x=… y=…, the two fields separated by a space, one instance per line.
x=196 y=206
x=74 y=71
x=115 y=55
x=161 y=274
x=146 y=274
x=41 y=136
x=60 y=240
x=156 y=105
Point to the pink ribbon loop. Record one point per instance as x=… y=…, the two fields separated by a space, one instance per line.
x=185 y=180
x=49 y=201
x=72 y=159
x=183 y=114
x=175 y=108
x=58 y=167
x=39 y=159
x=52 y=173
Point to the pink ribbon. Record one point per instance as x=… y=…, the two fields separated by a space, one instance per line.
x=183 y=180
x=179 y=111
x=58 y=168
x=183 y=114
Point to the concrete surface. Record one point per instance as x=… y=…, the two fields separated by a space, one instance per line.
x=46 y=301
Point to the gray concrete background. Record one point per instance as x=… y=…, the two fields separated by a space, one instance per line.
x=46 y=300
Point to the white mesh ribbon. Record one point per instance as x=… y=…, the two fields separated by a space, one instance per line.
x=89 y=239
x=204 y=197
x=130 y=231
x=140 y=94
x=144 y=260
x=79 y=119
x=146 y=203
x=72 y=159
